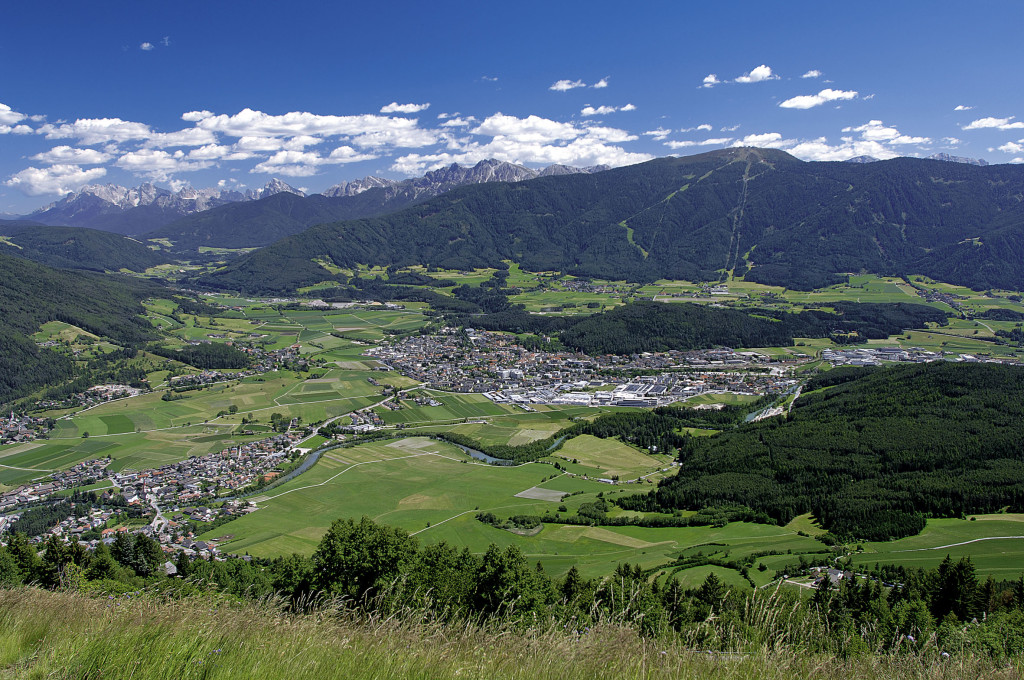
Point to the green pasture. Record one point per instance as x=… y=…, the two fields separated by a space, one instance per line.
x=995 y=544
x=431 y=489
x=610 y=457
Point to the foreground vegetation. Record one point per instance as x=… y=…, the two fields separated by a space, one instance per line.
x=70 y=635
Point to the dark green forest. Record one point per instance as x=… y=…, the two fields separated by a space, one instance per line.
x=80 y=248
x=31 y=294
x=870 y=452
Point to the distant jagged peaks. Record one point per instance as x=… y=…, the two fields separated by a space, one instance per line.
x=934 y=157
x=957 y=159
x=120 y=209
x=437 y=182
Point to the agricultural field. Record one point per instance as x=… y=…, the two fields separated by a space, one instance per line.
x=609 y=458
x=994 y=543
x=434 y=491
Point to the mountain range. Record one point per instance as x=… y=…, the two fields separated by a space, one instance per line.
x=757 y=213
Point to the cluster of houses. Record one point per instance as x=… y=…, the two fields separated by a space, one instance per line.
x=199 y=478
x=94 y=396
x=82 y=474
x=495 y=365
x=22 y=429
x=362 y=421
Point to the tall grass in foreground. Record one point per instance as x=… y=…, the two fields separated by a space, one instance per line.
x=68 y=635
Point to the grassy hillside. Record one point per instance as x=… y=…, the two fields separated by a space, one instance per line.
x=69 y=635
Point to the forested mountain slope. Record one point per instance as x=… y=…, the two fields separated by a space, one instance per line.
x=81 y=248
x=871 y=452
x=31 y=294
x=793 y=223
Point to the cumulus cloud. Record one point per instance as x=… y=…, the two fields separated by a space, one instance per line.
x=658 y=134
x=57 y=179
x=703 y=127
x=458 y=122
x=1013 y=147
x=601 y=83
x=603 y=110
x=765 y=140
x=961 y=107
x=368 y=129
x=998 y=123
x=71 y=155
x=218 y=152
x=685 y=143
x=877 y=131
x=710 y=80
x=16 y=130
x=146 y=46
x=395 y=107
x=9 y=116
x=757 y=75
x=566 y=85
x=813 y=73
x=91 y=131
x=952 y=141
x=530 y=140
x=159 y=164
x=306 y=163
x=186 y=137
x=808 y=101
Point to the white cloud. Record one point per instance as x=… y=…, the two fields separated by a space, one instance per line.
x=877 y=131
x=820 y=150
x=159 y=164
x=601 y=83
x=683 y=144
x=961 y=107
x=9 y=116
x=1018 y=159
x=146 y=46
x=807 y=101
x=757 y=75
x=710 y=80
x=458 y=122
x=532 y=129
x=490 y=79
x=187 y=137
x=565 y=85
x=165 y=41
x=603 y=110
x=729 y=128
x=703 y=127
x=368 y=129
x=195 y=116
x=765 y=140
x=952 y=141
x=97 y=130
x=218 y=152
x=813 y=73
x=67 y=154
x=1013 y=147
x=395 y=107
x=658 y=134
x=530 y=140
x=306 y=163
x=57 y=179
x=999 y=123
x=16 y=130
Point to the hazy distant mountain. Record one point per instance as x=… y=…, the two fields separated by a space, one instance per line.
x=260 y=223
x=136 y=211
x=958 y=159
x=862 y=159
x=757 y=213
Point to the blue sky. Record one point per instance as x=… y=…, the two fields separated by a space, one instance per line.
x=316 y=93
